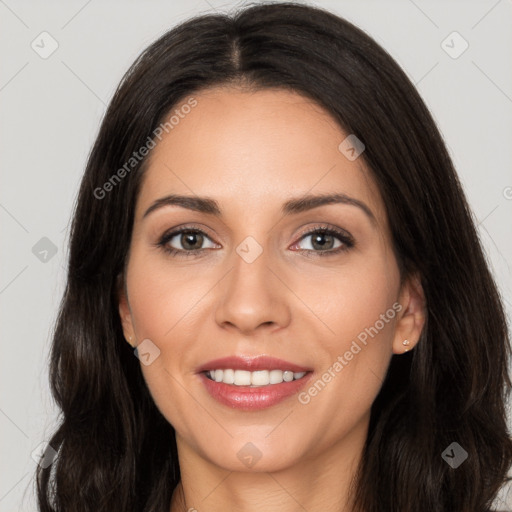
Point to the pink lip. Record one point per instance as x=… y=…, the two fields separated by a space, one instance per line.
x=251 y=364
x=248 y=398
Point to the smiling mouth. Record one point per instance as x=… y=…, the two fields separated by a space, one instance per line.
x=245 y=378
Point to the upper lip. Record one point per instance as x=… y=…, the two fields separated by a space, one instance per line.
x=251 y=363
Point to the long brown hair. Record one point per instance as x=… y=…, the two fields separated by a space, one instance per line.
x=116 y=452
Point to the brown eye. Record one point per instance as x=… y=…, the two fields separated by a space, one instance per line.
x=191 y=240
x=185 y=242
x=326 y=241
x=322 y=241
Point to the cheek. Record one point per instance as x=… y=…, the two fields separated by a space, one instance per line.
x=161 y=298
x=354 y=361
x=356 y=296
x=159 y=305
x=358 y=307
x=165 y=305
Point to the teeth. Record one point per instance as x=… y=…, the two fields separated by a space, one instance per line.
x=253 y=379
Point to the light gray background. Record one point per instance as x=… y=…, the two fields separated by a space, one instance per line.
x=50 y=110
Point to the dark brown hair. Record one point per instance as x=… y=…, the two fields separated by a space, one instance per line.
x=116 y=452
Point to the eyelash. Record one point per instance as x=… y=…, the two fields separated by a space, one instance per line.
x=343 y=237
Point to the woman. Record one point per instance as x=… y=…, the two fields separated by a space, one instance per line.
x=276 y=298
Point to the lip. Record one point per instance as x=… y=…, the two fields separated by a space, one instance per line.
x=252 y=363
x=246 y=398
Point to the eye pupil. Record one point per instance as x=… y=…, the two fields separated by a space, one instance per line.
x=188 y=238
x=319 y=236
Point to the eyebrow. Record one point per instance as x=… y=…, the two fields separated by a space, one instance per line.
x=292 y=206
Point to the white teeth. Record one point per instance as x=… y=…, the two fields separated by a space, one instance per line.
x=253 y=379
x=260 y=378
x=242 y=378
x=228 y=376
x=287 y=376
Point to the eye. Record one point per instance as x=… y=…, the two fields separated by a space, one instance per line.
x=323 y=241
x=190 y=239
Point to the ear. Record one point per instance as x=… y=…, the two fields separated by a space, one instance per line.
x=125 y=312
x=411 y=318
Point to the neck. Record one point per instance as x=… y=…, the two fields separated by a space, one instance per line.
x=319 y=483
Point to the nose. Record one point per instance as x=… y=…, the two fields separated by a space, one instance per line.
x=253 y=296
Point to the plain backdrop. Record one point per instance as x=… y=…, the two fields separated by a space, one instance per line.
x=50 y=110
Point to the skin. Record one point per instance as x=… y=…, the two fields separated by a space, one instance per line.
x=252 y=151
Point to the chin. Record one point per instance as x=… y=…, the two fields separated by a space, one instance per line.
x=254 y=453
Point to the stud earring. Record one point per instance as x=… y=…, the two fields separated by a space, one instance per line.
x=406 y=342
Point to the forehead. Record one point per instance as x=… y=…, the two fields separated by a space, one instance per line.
x=253 y=149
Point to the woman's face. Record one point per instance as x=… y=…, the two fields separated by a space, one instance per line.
x=263 y=281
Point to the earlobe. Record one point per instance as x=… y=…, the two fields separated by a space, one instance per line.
x=411 y=320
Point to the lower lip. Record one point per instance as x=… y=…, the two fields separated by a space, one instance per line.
x=247 y=398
